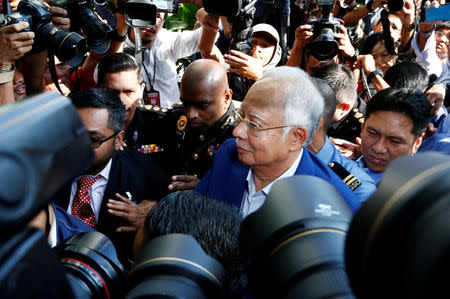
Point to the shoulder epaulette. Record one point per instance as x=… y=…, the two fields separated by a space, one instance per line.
x=154 y=109
x=349 y=179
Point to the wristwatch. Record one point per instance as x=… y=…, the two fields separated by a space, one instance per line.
x=373 y=74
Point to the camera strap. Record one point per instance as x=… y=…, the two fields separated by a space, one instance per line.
x=52 y=69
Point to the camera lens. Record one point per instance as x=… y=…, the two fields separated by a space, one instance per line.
x=399 y=238
x=324 y=47
x=175 y=266
x=296 y=241
x=66 y=45
x=95 y=30
x=91 y=265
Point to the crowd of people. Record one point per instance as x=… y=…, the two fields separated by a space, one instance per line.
x=228 y=123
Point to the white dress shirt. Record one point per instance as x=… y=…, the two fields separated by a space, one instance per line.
x=160 y=71
x=252 y=199
x=96 y=192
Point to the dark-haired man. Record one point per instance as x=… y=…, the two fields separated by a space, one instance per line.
x=100 y=197
x=395 y=123
x=214 y=225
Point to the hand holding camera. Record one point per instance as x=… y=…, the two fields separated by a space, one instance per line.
x=244 y=64
x=14 y=43
x=344 y=44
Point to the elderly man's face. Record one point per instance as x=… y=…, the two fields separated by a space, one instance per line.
x=259 y=107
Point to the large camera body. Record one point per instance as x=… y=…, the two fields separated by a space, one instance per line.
x=64 y=44
x=324 y=46
x=142 y=13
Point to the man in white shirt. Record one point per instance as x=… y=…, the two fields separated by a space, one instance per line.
x=162 y=50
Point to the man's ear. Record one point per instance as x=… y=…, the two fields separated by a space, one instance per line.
x=119 y=140
x=228 y=96
x=417 y=143
x=297 y=137
x=345 y=107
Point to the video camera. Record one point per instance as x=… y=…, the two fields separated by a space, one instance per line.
x=324 y=46
x=66 y=45
x=142 y=13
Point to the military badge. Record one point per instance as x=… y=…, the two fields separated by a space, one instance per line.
x=182 y=122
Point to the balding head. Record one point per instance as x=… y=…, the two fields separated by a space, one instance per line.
x=205 y=72
x=205 y=93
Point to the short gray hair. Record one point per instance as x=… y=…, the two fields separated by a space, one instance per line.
x=303 y=103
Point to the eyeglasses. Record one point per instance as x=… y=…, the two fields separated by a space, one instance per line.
x=96 y=143
x=252 y=128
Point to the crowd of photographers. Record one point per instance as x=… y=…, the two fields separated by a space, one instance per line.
x=219 y=111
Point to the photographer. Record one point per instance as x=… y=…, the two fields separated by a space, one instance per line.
x=301 y=53
x=14 y=43
x=162 y=49
x=265 y=54
x=431 y=46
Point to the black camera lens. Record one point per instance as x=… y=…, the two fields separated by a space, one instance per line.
x=296 y=241
x=175 y=266
x=96 y=31
x=66 y=45
x=398 y=241
x=91 y=265
x=324 y=47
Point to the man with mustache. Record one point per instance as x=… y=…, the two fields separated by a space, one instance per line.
x=277 y=120
x=162 y=49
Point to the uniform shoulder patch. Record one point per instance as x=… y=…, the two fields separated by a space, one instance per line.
x=349 y=179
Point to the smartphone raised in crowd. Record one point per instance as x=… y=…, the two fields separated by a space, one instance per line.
x=442 y=13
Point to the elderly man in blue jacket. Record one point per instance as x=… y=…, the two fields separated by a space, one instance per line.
x=275 y=123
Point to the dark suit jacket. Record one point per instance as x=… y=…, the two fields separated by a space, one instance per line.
x=130 y=171
x=226 y=180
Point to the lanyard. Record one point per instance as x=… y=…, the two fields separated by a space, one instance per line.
x=152 y=81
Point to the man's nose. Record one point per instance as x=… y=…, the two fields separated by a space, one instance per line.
x=126 y=101
x=192 y=113
x=240 y=131
x=379 y=146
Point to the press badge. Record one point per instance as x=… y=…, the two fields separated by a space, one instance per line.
x=153 y=97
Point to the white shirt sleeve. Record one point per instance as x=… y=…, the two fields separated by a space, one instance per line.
x=428 y=57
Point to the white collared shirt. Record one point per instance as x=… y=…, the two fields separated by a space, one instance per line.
x=159 y=68
x=96 y=192
x=252 y=199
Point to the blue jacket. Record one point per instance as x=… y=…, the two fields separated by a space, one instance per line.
x=67 y=225
x=226 y=180
x=329 y=153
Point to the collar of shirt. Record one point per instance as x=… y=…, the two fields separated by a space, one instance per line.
x=375 y=175
x=96 y=192
x=52 y=237
x=253 y=199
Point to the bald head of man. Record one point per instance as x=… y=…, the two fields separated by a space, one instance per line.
x=205 y=93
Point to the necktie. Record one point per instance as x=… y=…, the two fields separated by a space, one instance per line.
x=81 y=205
